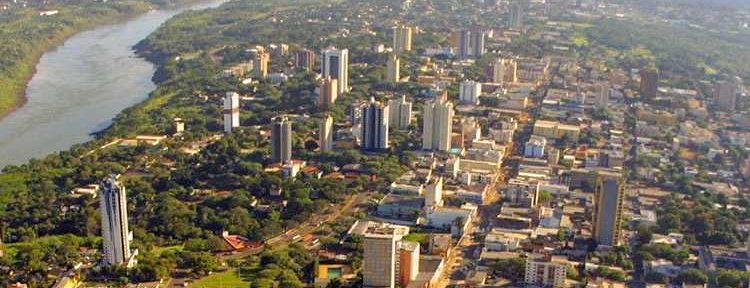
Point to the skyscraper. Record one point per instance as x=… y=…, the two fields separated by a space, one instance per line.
x=374 y=126
x=469 y=92
x=399 y=111
x=608 y=201
x=515 y=20
x=305 y=60
x=231 y=111
x=328 y=92
x=379 y=258
x=325 y=133
x=393 y=74
x=336 y=65
x=115 y=234
x=402 y=38
x=437 y=125
x=725 y=95
x=649 y=83
x=261 y=64
x=281 y=141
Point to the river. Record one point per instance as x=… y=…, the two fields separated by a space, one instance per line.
x=81 y=85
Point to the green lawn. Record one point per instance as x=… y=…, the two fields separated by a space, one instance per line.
x=228 y=279
x=161 y=249
x=422 y=238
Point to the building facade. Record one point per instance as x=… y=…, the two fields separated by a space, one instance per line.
x=281 y=141
x=379 y=258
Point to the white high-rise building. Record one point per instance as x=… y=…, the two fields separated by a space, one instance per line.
x=379 y=259
x=393 y=73
x=400 y=112
x=116 y=236
x=469 y=92
x=336 y=65
x=437 y=125
x=375 y=126
x=326 y=134
x=231 y=111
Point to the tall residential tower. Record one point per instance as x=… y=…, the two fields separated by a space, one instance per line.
x=336 y=65
x=608 y=202
x=115 y=234
x=231 y=111
x=437 y=125
x=375 y=126
x=281 y=141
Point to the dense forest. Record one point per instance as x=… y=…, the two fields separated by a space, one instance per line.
x=677 y=50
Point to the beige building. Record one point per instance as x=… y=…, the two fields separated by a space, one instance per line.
x=546 y=270
x=393 y=67
x=261 y=64
x=325 y=134
x=328 y=92
x=402 y=38
x=400 y=112
x=556 y=130
x=437 y=125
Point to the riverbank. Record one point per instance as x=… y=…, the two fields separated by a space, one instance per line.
x=35 y=35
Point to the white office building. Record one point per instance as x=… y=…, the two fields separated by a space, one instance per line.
x=336 y=65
